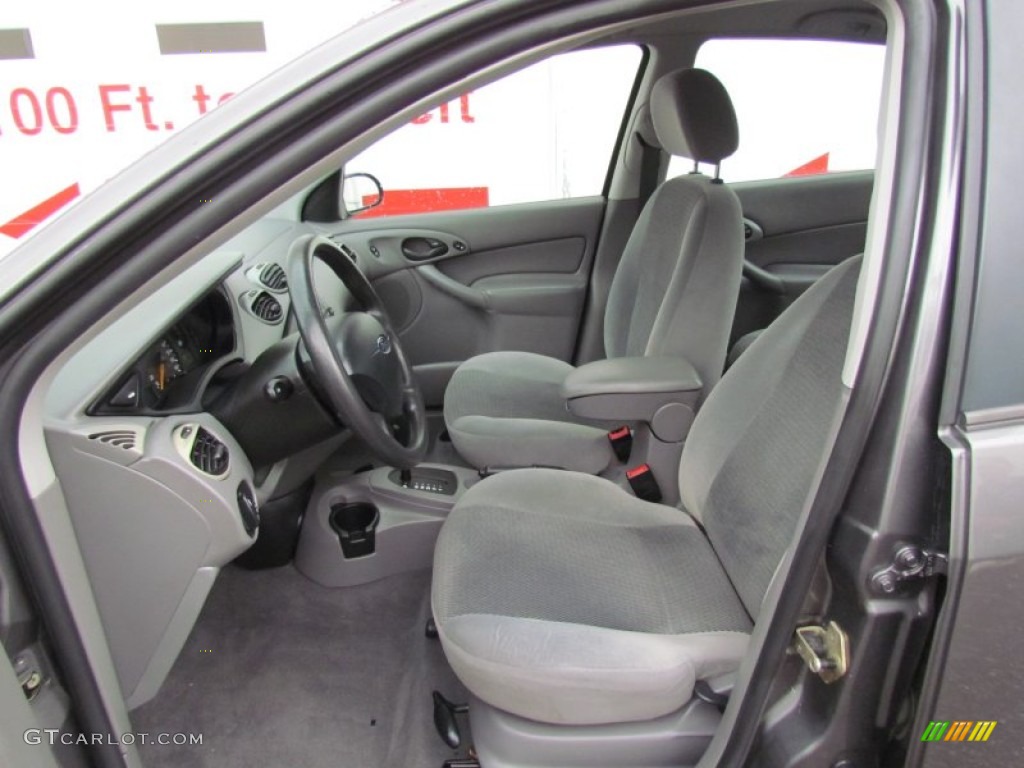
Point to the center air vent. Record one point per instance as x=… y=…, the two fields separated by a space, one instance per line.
x=272 y=276
x=209 y=454
x=262 y=305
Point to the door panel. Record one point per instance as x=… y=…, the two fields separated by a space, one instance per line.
x=797 y=229
x=565 y=256
x=460 y=283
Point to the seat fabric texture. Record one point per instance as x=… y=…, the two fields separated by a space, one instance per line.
x=489 y=387
x=559 y=579
x=674 y=294
x=561 y=598
x=742 y=345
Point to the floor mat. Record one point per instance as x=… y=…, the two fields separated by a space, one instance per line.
x=280 y=671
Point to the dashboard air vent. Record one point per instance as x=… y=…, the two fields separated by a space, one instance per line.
x=263 y=306
x=272 y=276
x=118 y=438
x=209 y=454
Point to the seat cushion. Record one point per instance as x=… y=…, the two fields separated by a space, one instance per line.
x=561 y=598
x=505 y=409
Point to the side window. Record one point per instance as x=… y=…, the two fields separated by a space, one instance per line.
x=803 y=107
x=543 y=133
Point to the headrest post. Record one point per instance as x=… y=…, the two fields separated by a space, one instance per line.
x=696 y=167
x=718 y=171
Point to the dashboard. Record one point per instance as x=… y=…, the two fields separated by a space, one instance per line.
x=167 y=440
x=170 y=375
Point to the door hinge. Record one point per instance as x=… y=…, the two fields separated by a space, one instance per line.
x=910 y=563
x=825 y=650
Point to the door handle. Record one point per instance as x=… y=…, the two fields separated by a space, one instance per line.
x=763 y=279
x=752 y=230
x=455 y=289
x=423 y=248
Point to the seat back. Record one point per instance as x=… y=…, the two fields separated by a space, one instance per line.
x=674 y=292
x=757 y=445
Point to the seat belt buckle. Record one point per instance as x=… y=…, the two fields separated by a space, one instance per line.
x=641 y=480
x=622 y=443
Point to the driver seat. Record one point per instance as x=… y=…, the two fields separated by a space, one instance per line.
x=673 y=295
x=561 y=598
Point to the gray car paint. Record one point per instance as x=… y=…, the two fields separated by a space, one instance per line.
x=976 y=671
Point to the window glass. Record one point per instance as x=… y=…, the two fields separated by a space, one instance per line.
x=88 y=88
x=543 y=133
x=803 y=107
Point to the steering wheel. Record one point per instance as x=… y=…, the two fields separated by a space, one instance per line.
x=358 y=361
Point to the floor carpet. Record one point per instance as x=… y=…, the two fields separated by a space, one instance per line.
x=280 y=671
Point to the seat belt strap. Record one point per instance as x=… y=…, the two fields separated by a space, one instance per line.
x=650 y=170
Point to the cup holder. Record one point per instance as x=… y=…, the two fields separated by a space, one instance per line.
x=356 y=526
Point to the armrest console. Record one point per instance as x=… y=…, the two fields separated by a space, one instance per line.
x=660 y=391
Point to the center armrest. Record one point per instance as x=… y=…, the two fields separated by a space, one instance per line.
x=630 y=375
x=661 y=391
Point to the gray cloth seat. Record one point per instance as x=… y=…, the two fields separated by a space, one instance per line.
x=589 y=605
x=561 y=598
x=487 y=388
x=673 y=294
x=742 y=345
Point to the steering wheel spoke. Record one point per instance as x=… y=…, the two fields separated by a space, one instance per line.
x=357 y=358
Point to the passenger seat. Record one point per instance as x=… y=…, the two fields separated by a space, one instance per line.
x=673 y=295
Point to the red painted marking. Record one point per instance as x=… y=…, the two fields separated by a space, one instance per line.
x=26 y=221
x=815 y=166
x=399 y=201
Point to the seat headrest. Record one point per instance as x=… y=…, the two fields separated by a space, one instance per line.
x=693 y=116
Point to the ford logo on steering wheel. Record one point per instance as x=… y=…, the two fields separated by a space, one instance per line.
x=383 y=345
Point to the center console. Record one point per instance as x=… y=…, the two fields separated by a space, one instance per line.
x=374 y=524
x=369 y=525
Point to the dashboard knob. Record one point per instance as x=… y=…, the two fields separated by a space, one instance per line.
x=278 y=389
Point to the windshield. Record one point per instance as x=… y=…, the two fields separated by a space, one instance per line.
x=88 y=88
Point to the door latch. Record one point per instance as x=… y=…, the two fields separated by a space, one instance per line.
x=825 y=650
x=910 y=563
x=27 y=670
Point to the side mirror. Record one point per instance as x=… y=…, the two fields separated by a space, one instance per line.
x=360 y=192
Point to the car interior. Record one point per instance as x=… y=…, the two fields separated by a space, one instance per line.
x=499 y=486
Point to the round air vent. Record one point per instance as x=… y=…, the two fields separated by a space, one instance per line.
x=272 y=276
x=202 y=449
x=262 y=306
